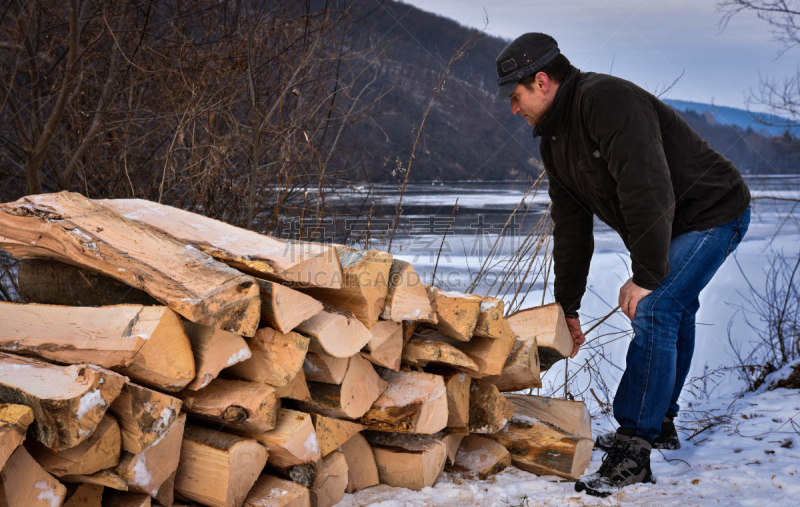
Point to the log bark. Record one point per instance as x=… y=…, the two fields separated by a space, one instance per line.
x=144 y=415
x=148 y=471
x=263 y=256
x=331 y=481
x=407 y=461
x=26 y=484
x=543 y=449
x=296 y=389
x=385 y=348
x=549 y=328
x=146 y=343
x=570 y=416
x=304 y=474
x=490 y=354
x=489 y=411
x=490 y=319
x=421 y=351
x=413 y=402
x=336 y=332
x=407 y=297
x=14 y=422
x=236 y=404
x=214 y=350
x=51 y=282
x=283 y=308
x=360 y=387
x=362 y=471
x=68 y=402
x=276 y=358
x=98 y=452
x=365 y=283
x=70 y=228
x=293 y=441
x=270 y=491
x=218 y=469
x=456 y=313
x=481 y=456
x=333 y=433
x=85 y=495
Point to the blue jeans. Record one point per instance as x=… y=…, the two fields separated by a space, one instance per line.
x=660 y=354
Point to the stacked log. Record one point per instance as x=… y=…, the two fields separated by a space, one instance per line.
x=165 y=358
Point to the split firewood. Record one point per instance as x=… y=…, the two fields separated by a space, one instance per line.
x=521 y=370
x=362 y=472
x=68 y=402
x=490 y=354
x=452 y=441
x=409 y=328
x=51 y=282
x=549 y=327
x=284 y=308
x=336 y=332
x=457 y=385
x=331 y=481
x=276 y=358
x=407 y=461
x=407 y=297
x=240 y=405
x=263 y=256
x=333 y=433
x=98 y=452
x=112 y=498
x=421 y=351
x=360 y=387
x=270 y=491
x=296 y=389
x=481 y=456
x=147 y=343
x=14 y=422
x=413 y=402
x=324 y=368
x=218 y=469
x=148 y=471
x=26 y=484
x=490 y=320
x=543 y=449
x=85 y=495
x=214 y=350
x=107 y=478
x=489 y=411
x=456 y=313
x=71 y=228
x=293 y=441
x=144 y=415
x=571 y=416
x=385 y=348
x=364 y=286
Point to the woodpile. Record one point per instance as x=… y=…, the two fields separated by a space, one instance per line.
x=164 y=358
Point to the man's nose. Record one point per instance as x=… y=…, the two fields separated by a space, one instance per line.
x=514 y=108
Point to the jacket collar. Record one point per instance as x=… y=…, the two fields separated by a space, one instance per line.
x=562 y=103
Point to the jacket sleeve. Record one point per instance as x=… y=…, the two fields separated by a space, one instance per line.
x=626 y=128
x=573 y=245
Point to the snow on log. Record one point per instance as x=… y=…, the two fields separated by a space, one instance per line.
x=481 y=456
x=407 y=297
x=144 y=415
x=73 y=229
x=407 y=461
x=270 y=491
x=413 y=402
x=490 y=319
x=26 y=484
x=456 y=313
x=251 y=252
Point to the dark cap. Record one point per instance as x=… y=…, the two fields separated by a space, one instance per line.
x=526 y=55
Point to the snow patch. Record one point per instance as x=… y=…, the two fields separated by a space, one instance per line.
x=47 y=494
x=89 y=401
x=163 y=420
x=141 y=475
x=309 y=366
x=239 y=356
x=487 y=305
x=311 y=446
x=524 y=419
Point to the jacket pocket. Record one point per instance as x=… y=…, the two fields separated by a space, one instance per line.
x=593 y=170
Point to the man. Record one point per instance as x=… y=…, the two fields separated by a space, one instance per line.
x=613 y=150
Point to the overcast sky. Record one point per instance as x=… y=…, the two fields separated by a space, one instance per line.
x=649 y=41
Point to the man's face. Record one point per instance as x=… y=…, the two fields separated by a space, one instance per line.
x=532 y=103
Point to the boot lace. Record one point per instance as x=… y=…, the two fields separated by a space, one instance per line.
x=614 y=458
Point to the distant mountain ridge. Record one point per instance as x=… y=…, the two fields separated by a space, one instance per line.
x=742 y=118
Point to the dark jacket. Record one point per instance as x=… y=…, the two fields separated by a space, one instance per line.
x=613 y=150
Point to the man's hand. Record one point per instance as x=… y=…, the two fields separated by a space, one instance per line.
x=578 y=337
x=629 y=296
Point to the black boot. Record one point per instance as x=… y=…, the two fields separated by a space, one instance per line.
x=666 y=439
x=626 y=463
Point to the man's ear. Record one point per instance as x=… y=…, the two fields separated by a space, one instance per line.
x=543 y=80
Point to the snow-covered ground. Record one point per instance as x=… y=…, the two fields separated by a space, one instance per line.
x=749 y=455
